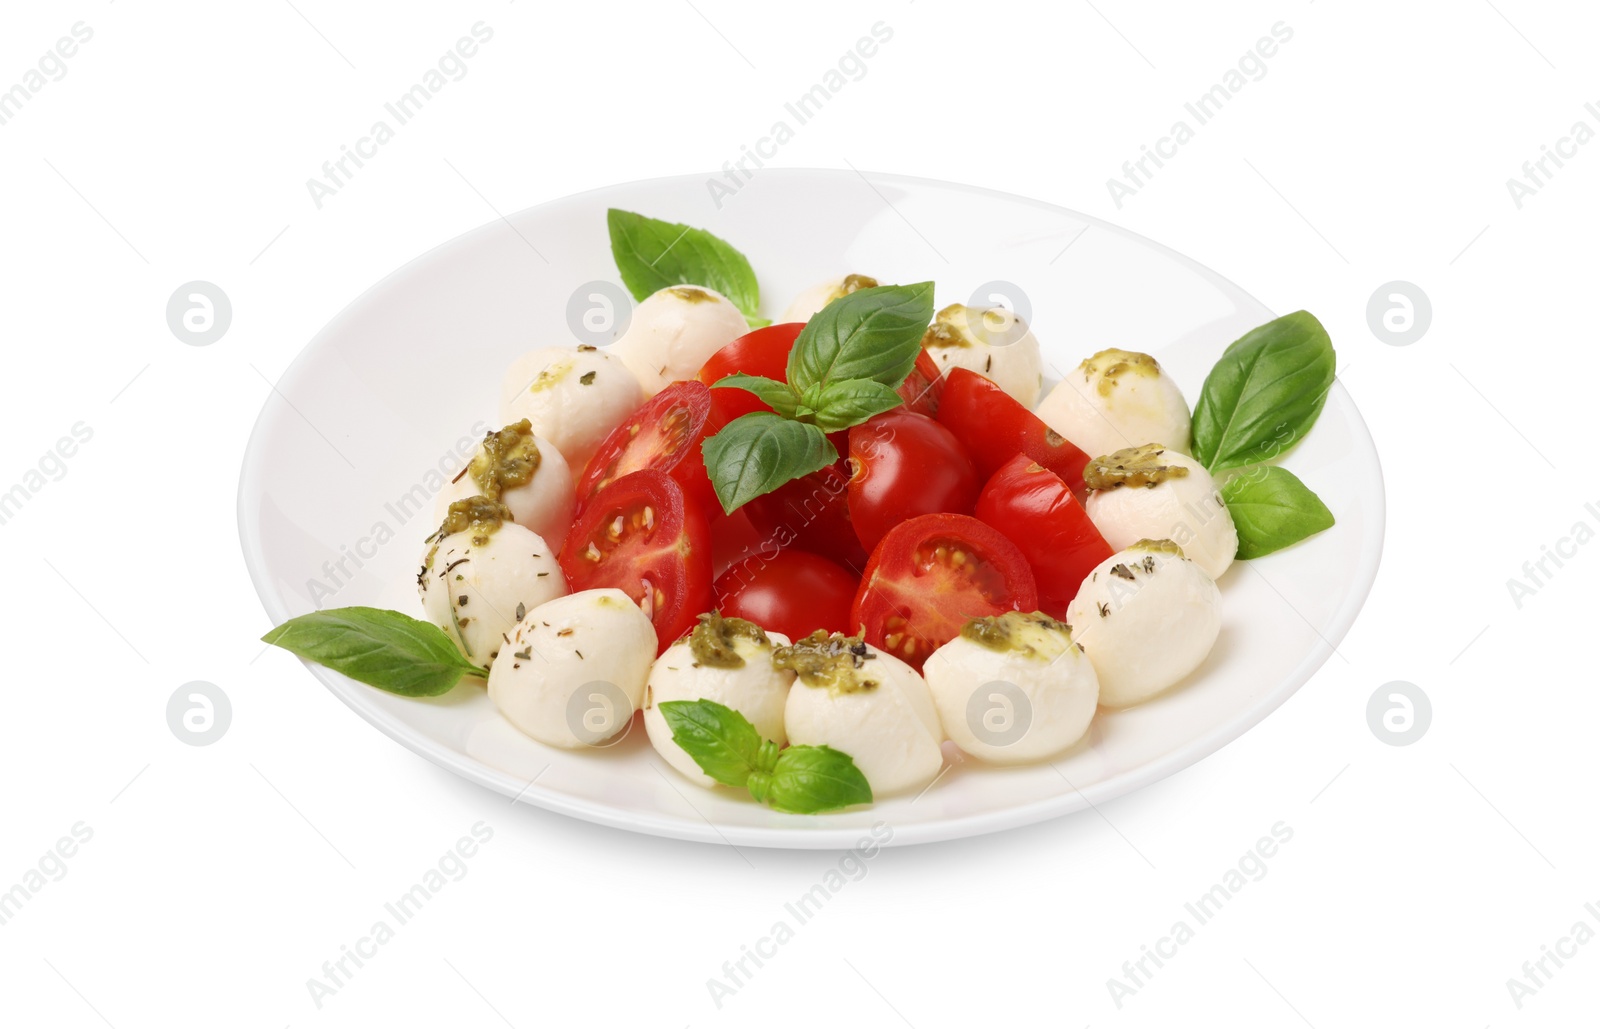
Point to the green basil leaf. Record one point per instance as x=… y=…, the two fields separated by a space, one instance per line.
x=1272 y=509
x=386 y=649
x=721 y=740
x=873 y=333
x=652 y=254
x=756 y=453
x=808 y=780
x=851 y=402
x=1265 y=393
x=780 y=396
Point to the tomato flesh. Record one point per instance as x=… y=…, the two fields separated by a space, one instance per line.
x=995 y=428
x=664 y=435
x=906 y=464
x=931 y=575
x=642 y=536
x=1033 y=508
x=763 y=352
x=790 y=591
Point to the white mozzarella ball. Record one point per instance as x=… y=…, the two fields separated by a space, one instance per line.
x=1151 y=492
x=572 y=396
x=753 y=687
x=673 y=331
x=544 y=503
x=1115 y=400
x=811 y=300
x=474 y=582
x=882 y=716
x=993 y=342
x=1146 y=617
x=1016 y=689
x=574 y=670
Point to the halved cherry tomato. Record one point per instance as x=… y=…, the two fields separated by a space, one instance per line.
x=930 y=576
x=924 y=386
x=763 y=352
x=641 y=536
x=811 y=513
x=906 y=464
x=791 y=592
x=994 y=428
x=665 y=435
x=1033 y=508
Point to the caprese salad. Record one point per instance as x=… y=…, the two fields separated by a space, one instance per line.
x=807 y=555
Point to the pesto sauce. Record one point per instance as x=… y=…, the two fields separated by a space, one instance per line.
x=827 y=660
x=691 y=294
x=1011 y=632
x=714 y=641
x=507 y=459
x=849 y=284
x=1112 y=364
x=1135 y=466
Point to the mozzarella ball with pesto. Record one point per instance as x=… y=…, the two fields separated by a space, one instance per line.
x=1154 y=492
x=573 y=670
x=673 y=331
x=1146 y=617
x=1013 y=688
x=811 y=300
x=991 y=341
x=855 y=698
x=525 y=473
x=728 y=660
x=571 y=396
x=1115 y=400
x=481 y=572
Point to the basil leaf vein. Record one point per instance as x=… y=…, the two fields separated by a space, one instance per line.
x=381 y=648
x=1264 y=394
x=652 y=254
x=808 y=780
x=874 y=333
x=780 y=396
x=721 y=740
x=756 y=453
x=1272 y=509
x=851 y=402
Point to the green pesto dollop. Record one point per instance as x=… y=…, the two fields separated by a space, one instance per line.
x=1014 y=631
x=714 y=641
x=507 y=459
x=480 y=514
x=691 y=294
x=849 y=284
x=1112 y=364
x=1158 y=547
x=949 y=329
x=827 y=660
x=1135 y=466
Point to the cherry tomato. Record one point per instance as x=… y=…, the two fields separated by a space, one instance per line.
x=924 y=386
x=763 y=352
x=994 y=428
x=930 y=576
x=1033 y=508
x=791 y=592
x=906 y=464
x=811 y=513
x=665 y=435
x=641 y=536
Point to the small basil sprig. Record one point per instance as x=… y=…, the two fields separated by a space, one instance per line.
x=873 y=333
x=801 y=780
x=652 y=254
x=756 y=453
x=1272 y=509
x=1265 y=393
x=386 y=649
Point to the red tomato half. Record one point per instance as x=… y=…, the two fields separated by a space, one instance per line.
x=906 y=464
x=994 y=428
x=792 y=592
x=640 y=535
x=924 y=386
x=1033 y=508
x=933 y=574
x=665 y=435
x=764 y=352
x=811 y=513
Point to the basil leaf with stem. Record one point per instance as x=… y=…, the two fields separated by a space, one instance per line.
x=721 y=740
x=780 y=396
x=839 y=405
x=1272 y=509
x=381 y=648
x=873 y=333
x=808 y=780
x=652 y=254
x=756 y=453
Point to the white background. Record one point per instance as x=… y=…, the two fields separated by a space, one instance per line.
x=220 y=878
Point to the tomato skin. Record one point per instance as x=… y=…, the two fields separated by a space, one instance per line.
x=994 y=428
x=811 y=513
x=924 y=387
x=916 y=595
x=764 y=352
x=791 y=592
x=1033 y=508
x=664 y=434
x=906 y=464
x=664 y=546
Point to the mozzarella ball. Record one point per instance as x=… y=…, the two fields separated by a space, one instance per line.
x=993 y=342
x=814 y=299
x=1151 y=492
x=1146 y=617
x=738 y=675
x=877 y=709
x=1013 y=688
x=475 y=582
x=574 y=670
x=1115 y=400
x=571 y=396
x=543 y=503
x=672 y=333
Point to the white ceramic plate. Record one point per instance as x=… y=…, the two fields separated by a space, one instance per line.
x=368 y=415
